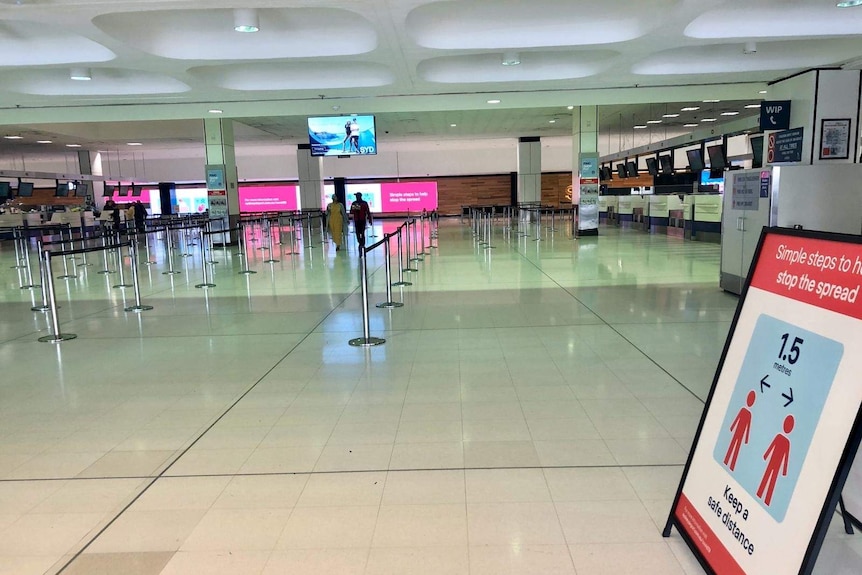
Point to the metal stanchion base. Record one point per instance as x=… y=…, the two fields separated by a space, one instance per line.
x=490 y=247
x=57 y=338
x=390 y=304
x=123 y=286
x=149 y=263
x=402 y=284
x=41 y=308
x=185 y=255
x=17 y=267
x=416 y=259
x=105 y=272
x=363 y=342
x=271 y=261
x=83 y=265
x=205 y=285
x=424 y=253
x=67 y=277
x=139 y=308
x=410 y=270
x=213 y=262
x=537 y=239
x=31 y=286
x=246 y=272
x=171 y=272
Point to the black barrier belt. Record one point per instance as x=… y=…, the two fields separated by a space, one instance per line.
x=53 y=253
x=227 y=231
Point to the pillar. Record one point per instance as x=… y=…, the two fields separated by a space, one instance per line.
x=221 y=176
x=529 y=170
x=310 y=182
x=585 y=174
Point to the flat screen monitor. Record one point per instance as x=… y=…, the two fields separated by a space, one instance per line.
x=621 y=170
x=652 y=166
x=342 y=135
x=757 y=151
x=82 y=190
x=666 y=163
x=695 y=160
x=5 y=191
x=109 y=191
x=62 y=190
x=25 y=190
x=122 y=190
x=606 y=173
x=136 y=190
x=631 y=169
x=717 y=157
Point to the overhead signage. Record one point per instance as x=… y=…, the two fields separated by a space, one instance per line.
x=781 y=424
x=785 y=147
x=775 y=115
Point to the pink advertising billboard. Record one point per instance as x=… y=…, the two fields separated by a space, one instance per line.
x=272 y=198
x=412 y=196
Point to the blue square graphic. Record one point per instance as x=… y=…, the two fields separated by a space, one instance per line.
x=754 y=440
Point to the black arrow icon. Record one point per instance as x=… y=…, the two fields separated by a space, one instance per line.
x=789 y=398
x=764 y=384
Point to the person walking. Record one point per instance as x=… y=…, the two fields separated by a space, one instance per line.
x=361 y=214
x=336 y=218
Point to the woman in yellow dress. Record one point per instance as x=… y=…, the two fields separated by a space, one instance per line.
x=336 y=216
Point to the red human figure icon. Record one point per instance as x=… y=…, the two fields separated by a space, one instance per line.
x=740 y=428
x=778 y=454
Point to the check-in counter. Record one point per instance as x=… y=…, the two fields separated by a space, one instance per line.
x=72 y=218
x=631 y=210
x=676 y=215
x=706 y=220
x=603 y=208
x=10 y=220
x=658 y=214
x=33 y=219
x=612 y=207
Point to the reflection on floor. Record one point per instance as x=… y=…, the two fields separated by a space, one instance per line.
x=530 y=411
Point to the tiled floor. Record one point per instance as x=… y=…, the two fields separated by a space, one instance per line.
x=529 y=413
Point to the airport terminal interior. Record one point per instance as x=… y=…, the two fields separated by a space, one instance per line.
x=530 y=411
x=192 y=403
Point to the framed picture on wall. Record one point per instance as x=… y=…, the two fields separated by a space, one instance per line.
x=835 y=139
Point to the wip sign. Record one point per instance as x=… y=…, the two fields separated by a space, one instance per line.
x=781 y=423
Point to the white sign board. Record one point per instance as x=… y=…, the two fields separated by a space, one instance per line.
x=762 y=480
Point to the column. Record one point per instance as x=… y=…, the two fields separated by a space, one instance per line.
x=310 y=182
x=221 y=176
x=529 y=170
x=818 y=95
x=585 y=174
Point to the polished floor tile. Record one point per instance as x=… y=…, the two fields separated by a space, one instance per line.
x=529 y=413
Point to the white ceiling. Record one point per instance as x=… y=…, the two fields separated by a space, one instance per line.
x=158 y=66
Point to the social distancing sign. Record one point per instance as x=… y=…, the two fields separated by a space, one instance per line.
x=781 y=422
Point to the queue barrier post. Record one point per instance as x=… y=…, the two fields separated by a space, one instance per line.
x=414 y=242
x=55 y=335
x=243 y=252
x=409 y=245
x=66 y=275
x=203 y=241
x=133 y=257
x=268 y=242
x=45 y=305
x=389 y=303
x=366 y=340
x=401 y=270
x=120 y=265
x=169 y=246
x=28 y=271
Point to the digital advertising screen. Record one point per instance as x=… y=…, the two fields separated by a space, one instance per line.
x=389 y=197
x=273 y=198
x=342 y=135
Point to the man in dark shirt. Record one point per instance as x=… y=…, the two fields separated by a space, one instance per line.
x=361 y=214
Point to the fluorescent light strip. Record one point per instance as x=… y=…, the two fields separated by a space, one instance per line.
x=690 y=109
x=730 y=113
x=670 y=116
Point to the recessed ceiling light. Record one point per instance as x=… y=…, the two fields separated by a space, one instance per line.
x=670 y=116
x=453 y=125
x=511 y=59
x=246 y=20
x=570 y=107
x=708 y=120
x=711 y=101
x=215 y=111
x=14 y=137
x=134 y=144
x=690 y=109
x=849 y=3
x=640 y=127
x=752 y=106
x=493 y=101
x=552 y=121
x=44 y=142
x=763 y=91
x=73 y=145
x=80 y=74
x=653 y=121
x=729 y=113
x=690 y=125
